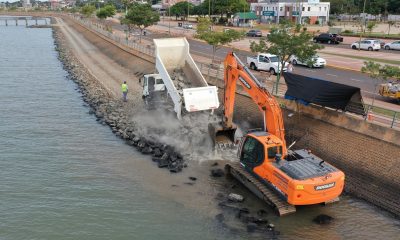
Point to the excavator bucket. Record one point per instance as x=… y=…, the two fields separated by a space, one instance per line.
x=221 y=136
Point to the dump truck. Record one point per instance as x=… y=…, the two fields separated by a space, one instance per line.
x=178 y=79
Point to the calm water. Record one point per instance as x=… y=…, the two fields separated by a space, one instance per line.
x=63 y=176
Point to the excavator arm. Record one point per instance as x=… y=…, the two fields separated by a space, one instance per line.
x=234 y=71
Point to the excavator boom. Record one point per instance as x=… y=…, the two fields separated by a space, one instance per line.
x=236 y=71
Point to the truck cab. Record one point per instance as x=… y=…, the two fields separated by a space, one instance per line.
x=300 y=177
x=153 y=88
x=266 y=62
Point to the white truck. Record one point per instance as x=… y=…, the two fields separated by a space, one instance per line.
x=179 y=79
x=266 y=62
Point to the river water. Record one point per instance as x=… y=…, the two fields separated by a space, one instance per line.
x=64 y=176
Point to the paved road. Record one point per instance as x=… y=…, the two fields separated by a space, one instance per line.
x=352 y=78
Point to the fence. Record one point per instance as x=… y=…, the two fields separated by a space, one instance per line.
x=214 y=75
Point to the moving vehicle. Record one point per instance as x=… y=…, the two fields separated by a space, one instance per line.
x=266 y=62
x=315 y=61
x=393 y=45
x=280 y=176
x=254 y=33
x=328 y=38
x=391 y=90
x=370 y=45
x=178 y=79
x=187 y=26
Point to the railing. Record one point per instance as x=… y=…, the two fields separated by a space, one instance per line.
x=214 y=75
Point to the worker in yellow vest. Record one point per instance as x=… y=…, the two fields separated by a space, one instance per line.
x=124 y=89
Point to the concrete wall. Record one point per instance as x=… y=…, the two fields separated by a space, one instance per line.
x=368 y=154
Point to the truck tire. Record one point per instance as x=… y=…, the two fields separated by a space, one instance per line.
x=272 y=71
x=370 y=49
x=253 y=66
x=354 y=47
x=387 y=48
x=329 y=41
x=294 y=62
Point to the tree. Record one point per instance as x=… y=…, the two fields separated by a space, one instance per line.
x=213 y=38
x=181 y=9
x=371 y=25
x=229 y=7
x=287 y=41
x=142 y=16
x=106 y=11
x=390 y=23
x=88 y=10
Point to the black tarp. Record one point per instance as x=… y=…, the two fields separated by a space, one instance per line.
x=324 y=93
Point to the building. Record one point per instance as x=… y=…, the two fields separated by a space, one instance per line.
x=244 y=19
x=26 y=4
x=301 y=11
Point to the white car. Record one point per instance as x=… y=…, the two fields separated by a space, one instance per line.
x=187 y=26
x=393 y=45
x=370 y=45
x=317 y=61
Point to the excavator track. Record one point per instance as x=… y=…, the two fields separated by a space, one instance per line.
x=260 y=189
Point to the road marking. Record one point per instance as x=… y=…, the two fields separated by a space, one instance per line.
x=357 y=80
x=309 y=70
x=333 y=75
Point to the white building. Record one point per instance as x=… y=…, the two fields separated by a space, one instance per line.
x=301 y=11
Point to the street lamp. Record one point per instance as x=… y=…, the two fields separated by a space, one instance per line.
x=169 y=20
x=362 y=22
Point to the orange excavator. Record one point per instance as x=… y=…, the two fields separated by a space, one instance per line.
x=281 y=177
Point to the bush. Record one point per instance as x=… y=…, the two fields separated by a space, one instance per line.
x=348 y=31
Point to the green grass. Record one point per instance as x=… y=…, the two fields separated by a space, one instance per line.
x=388 y=61
x=384 y=112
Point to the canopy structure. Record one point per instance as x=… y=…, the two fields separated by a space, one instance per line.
x=321 y=92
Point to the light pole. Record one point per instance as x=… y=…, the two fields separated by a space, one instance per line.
x=169 y=20
x=362 y=22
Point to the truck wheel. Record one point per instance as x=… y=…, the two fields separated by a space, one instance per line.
x=272 y=71
x=253 y=66
x=329 y=41
x=387 y=47
x=294 y=62
x=370 y=49
x=354 y=47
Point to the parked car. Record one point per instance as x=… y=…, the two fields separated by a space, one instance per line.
x=266 y=62
x=317 y=61
x=254 y=33
x=328 y=38
x=393 y=45
x=370 y=45
x=382 y=43
x=187 y=26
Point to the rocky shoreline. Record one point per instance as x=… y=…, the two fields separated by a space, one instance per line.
x=114 y=112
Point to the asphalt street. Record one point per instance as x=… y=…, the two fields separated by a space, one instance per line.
x=352 y=78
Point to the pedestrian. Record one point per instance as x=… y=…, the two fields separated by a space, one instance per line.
x=124 y=88
x=290 y=67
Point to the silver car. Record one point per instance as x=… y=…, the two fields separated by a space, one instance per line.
x=370 y=45
x=393 y=45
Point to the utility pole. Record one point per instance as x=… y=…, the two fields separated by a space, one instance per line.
x=169 y=20
x=362 y=22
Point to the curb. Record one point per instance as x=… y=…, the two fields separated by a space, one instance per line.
x=342 y=68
